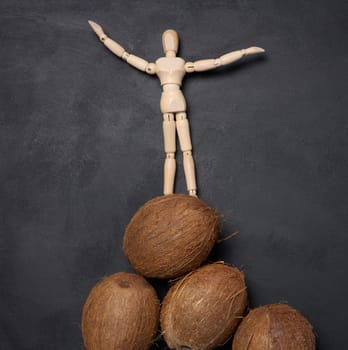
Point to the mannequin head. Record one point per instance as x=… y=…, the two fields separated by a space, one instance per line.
x=170 y=42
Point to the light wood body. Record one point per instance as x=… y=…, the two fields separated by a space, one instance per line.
x=171 y=71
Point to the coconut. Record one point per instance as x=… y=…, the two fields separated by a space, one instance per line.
x=274 y=326
x=170 y=235
x=202 y=310
x=121 y=312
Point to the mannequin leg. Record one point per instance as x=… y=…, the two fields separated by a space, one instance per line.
x=182 y=126
x=169 y=134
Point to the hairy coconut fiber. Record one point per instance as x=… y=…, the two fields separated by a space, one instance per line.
x=202 y=310
x=121 y=313
x=273 y=327
x=170 y=236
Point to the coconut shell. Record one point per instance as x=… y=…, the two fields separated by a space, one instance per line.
x=170 y=236
x=272 y=327
x=121 y=312
x=202 y=310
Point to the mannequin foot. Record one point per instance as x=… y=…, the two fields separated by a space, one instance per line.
x=192 y=193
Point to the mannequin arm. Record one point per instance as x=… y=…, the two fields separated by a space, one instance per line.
x=203 y=65
x=119 y=51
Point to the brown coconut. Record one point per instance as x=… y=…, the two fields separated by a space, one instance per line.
x=202 y=310
x=170 y=236
x=275 y=326
x=121 y=312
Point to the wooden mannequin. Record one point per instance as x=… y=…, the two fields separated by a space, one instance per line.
x=171 y=70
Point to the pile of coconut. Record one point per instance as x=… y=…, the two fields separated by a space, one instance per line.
x=170 y=237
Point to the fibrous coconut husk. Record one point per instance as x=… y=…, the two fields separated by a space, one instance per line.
x=273 y=327
x=121 y=312
x=202 y=310
x=170 y=236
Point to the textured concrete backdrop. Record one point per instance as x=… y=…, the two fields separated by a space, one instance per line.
x=81 y=150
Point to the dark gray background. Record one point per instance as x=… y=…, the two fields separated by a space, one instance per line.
x=81 y=150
